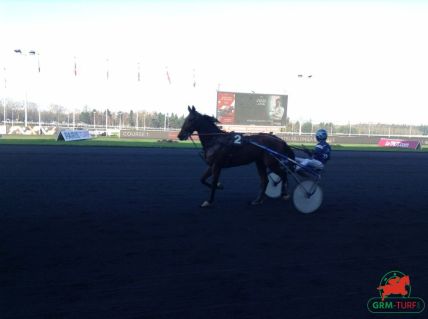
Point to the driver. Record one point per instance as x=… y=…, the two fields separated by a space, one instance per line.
x=319 y=156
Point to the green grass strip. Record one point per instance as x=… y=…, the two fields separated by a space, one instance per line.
x=117 y=142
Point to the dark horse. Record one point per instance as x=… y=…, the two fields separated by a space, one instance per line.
x=222 y=149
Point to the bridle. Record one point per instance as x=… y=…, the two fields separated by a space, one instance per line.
x=189 y=136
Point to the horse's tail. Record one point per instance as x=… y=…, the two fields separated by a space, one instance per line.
x=284 y=148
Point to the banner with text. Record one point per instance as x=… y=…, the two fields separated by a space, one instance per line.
x=76 y=135
x=412 y=144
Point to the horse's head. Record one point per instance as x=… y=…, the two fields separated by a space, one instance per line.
x=190 y=124
x=406 y=280
x=195 y=121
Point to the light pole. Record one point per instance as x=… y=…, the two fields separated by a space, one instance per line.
x=106 y=120
x=94 y=118
x=40 y=123
x=120 y=120
x=4 y=96
x=76 y=88
x=108 y=90
x=138 y=82
x=32 y=52
x=137 y=120
x=164 y=123
x=303 y=76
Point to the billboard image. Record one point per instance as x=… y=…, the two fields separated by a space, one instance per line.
x=226 y=107
x=251 y=109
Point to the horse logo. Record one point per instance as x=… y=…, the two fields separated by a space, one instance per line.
x=396 y=283
x=394 y=290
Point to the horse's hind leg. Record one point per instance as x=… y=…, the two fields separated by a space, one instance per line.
x=261 y=169
x=283 y=174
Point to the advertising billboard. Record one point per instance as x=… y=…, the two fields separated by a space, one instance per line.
x=252 y=108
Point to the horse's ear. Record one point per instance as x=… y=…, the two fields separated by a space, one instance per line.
x=188 y=107
x=193 y=108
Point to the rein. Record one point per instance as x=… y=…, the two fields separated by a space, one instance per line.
x=194 y=144
x=201 y=153
x=208 y=134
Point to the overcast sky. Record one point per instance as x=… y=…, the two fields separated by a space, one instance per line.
x=368 y=59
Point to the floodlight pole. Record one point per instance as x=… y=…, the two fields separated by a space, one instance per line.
x=137 y=120
x=25 y=109
x=303 y=76
x=164 y=122
x=138 y=81
x=32 y=52
x=40 y=123
x=107 y=86
x=4 y=97
x=76 y=88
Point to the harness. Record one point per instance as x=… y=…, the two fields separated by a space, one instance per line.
x=224 y=140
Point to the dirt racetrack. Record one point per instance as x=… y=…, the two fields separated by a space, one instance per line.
x=117 y=233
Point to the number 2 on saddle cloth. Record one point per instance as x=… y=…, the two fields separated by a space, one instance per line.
x=222 y=146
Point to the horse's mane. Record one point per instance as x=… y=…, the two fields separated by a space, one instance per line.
x=212 y=122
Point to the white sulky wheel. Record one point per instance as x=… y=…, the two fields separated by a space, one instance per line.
x=303 y=200
x=274 y=188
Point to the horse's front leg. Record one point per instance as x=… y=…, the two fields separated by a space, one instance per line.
x=208 y=174
x=215 y=171
x=205 y=176
x=261 y=169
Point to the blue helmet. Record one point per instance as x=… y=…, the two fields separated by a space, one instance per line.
x=321 y=135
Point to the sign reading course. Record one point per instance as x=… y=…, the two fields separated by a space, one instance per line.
x=251 y=109
x=77 y=135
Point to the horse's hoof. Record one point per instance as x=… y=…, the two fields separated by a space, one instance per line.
x=220 y=186
x=206 y=204
x=286 y=196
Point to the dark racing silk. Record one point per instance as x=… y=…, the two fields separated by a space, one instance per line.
x=322 y=152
